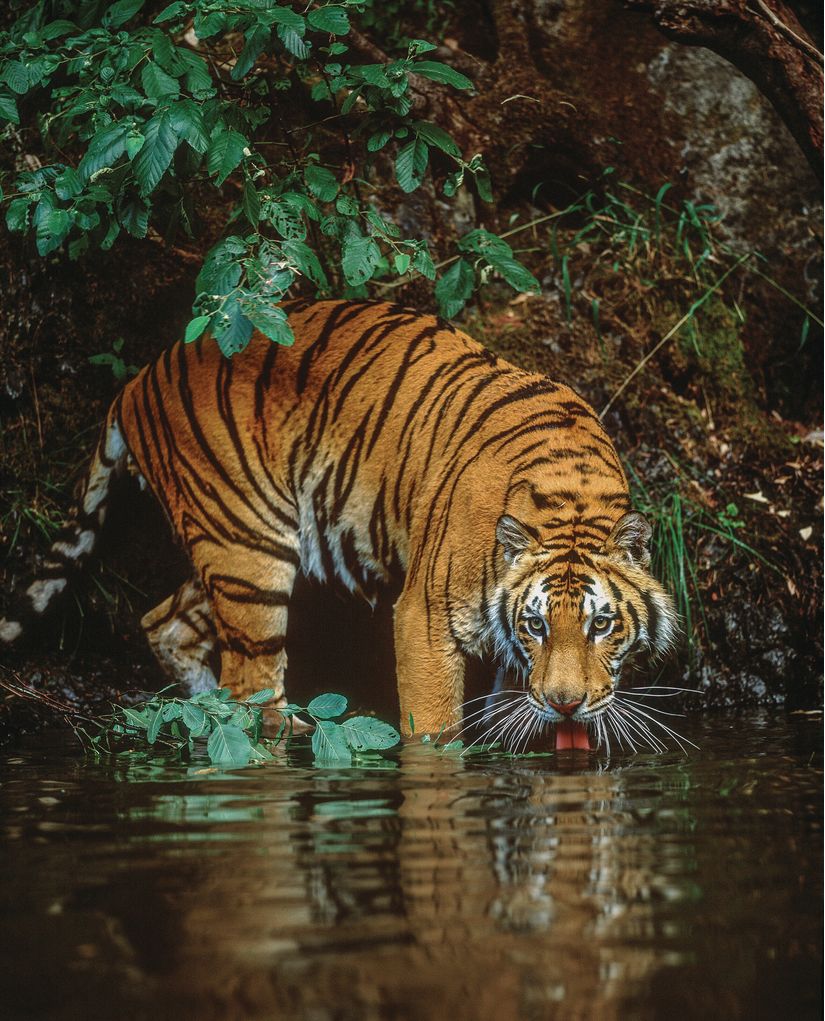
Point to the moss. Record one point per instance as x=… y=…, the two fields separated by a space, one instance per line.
x=708 y=359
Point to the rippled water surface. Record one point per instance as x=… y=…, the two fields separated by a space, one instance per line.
x=664 y=886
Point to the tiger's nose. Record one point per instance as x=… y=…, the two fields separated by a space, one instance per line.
x=565 y=708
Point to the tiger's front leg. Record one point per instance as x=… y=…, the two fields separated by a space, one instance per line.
x=181 y=633
x=249 y=590
x=430 y=667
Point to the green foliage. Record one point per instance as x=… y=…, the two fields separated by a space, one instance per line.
x=137 y=114
x=685 y=532
x=234 y=729
x=114 y=359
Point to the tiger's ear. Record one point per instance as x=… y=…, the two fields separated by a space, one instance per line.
x=630 y=540
x=515 y=537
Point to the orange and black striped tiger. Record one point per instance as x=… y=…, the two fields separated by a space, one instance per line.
x=383 y=441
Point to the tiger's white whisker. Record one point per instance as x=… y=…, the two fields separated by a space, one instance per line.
x=669 y=730
x=643 y=730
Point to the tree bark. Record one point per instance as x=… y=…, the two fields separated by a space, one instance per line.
x=765 y=41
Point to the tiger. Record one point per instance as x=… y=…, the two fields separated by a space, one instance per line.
x=385 y=443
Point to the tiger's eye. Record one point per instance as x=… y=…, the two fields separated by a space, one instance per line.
x=601 y=622
x=536 y=627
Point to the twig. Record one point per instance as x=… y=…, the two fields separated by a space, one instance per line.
x=777 y=22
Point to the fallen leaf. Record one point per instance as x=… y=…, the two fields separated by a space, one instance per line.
x=757 y=497
x=806 y=532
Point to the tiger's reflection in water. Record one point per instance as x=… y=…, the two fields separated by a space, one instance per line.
x=463 y=894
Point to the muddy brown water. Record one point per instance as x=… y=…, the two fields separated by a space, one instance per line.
x=561 y=886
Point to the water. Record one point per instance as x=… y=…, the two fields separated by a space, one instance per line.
x=659 y=887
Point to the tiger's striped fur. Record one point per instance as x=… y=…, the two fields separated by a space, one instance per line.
x=383 y=442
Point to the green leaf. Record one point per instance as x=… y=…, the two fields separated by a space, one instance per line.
x=67 y=184
x=157 y=83
x=172 y=11
x=8 y=109
x=195 y=718
x=259 y=753
x=321 y=182
x=441 y=73
x=52 y=227
x=221 y=271
x=411 y=164
x=55 y=29
x=346 y=206
x=434 y=135
x=194 y=328
x=224 y=154
x=133 y=215
x=327 y=706
x=287 y=220
x=242 y=717
x=288 y=18
x=401 y=262
x=197 y=77
x=270 y=320
x=305 y=261
x=454 y=288
x=293 y=42
x=17 y=215
x=171 y=711
x=516 y=275
x=104 y=149
x=118 y=14
x=423 y=262
x=256 y=42
x=332 y=19
x=228 y=744
x=134 y=143
x=364 y=733
x=329 y=744
x=155 y=721
x=136 y=718
x=251 y=203
x=378 y=140
x=160 y=142
x=361 y=256
x=187 y=120
x=418 y=46
x=257 y=697
x=16 y=76
x=485 y=188
x=484 y=242
x=111 y=235
x=230 y=327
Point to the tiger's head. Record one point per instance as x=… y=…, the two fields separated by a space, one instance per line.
x=568 y=615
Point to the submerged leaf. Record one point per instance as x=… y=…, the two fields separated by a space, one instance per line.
x=329 y=745
x=364 y=733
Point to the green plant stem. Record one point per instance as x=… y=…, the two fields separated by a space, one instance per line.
x=401 y=281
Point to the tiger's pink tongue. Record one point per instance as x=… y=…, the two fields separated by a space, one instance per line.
x=571 y=735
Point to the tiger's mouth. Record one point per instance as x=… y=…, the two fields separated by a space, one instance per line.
x=572 y=736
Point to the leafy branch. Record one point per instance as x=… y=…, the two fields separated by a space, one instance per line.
x=233 y=729
x=135 y=116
